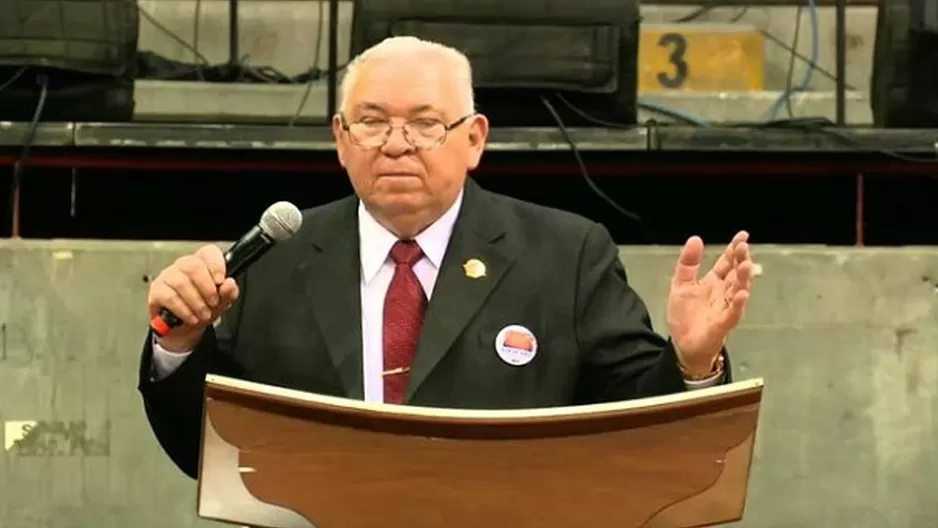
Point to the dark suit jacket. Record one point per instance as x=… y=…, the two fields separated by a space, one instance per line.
x=297 y=323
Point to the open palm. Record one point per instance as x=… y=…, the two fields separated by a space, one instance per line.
x=702 y=312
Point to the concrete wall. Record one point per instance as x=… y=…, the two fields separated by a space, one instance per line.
x=845 y=338
x=285 y=33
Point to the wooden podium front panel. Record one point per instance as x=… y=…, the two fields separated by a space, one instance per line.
x=681 y=464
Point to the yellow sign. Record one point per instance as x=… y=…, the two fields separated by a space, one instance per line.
x=700 y=58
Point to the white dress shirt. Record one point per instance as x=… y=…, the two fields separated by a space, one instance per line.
x=377 y=270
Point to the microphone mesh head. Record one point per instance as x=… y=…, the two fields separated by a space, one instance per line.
x=281 y=221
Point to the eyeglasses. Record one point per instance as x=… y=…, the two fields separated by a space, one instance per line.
x=424 y=133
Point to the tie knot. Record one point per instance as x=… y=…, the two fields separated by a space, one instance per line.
x=406 y=252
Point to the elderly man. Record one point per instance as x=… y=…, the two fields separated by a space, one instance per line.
x=425 y=289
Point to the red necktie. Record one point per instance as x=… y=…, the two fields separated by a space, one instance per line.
x=404 y=307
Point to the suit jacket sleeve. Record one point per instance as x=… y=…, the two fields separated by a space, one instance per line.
x=622 y=356
x=174 y=405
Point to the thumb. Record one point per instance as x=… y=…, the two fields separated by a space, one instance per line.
x=688 y=263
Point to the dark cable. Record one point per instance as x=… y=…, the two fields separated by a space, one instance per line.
x=806 y=60
x=169 y=33
x=672 y=113
x=197 y=33
x=585 y=116
x=790 y=77
x=9 y=82
x=20 y=163
x=198 y=70
x=697 y=13
x=739 y=15
x=585 y=173
x=315 y=68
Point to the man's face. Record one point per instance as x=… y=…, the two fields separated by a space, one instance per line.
x=398 y=180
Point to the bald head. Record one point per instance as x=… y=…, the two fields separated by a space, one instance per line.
x=452 y=66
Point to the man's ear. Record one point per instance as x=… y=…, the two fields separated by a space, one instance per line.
x=338 y=132
x=478 y=134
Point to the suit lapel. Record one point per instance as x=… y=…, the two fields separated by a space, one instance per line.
x=478 y=234
x=332 y=278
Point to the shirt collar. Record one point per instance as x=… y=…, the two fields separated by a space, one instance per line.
x=375 y=241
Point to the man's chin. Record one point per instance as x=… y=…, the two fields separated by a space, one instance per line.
x=401 y=202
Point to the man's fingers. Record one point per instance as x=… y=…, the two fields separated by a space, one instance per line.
x=172 y=290
x=199 y=275
x=195 y=289
x=741 y=253
x=188 y=289
x=744 y=274
x=228 y=291
x=688 y=262
x=214 y=260
x=730 y=255
x=723 y=265
x=165 y=297
x=180 y=286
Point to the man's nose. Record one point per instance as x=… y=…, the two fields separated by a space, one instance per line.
x=397 y=143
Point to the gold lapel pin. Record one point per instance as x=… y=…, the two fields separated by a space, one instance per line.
x=474 y=268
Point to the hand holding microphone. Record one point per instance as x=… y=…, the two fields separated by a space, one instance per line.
x=189 y=295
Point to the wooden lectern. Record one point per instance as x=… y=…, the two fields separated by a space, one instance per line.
x=277 y=458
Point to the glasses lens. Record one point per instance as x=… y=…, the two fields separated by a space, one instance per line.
x=421 y=134
x=425 y=134
x=369 y=134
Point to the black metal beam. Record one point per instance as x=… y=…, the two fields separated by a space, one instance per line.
x=234 y=33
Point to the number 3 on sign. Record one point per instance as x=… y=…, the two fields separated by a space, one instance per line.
x=677 y=45
x=700 y=58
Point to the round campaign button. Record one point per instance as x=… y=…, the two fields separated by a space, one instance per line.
x=516 y=345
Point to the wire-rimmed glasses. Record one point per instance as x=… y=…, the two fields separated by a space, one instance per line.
x=422 y=133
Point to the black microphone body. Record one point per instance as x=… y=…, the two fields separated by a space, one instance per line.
x=239 y=256
x=246 y=251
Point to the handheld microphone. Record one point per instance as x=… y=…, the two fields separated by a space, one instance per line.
x=279 y=222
